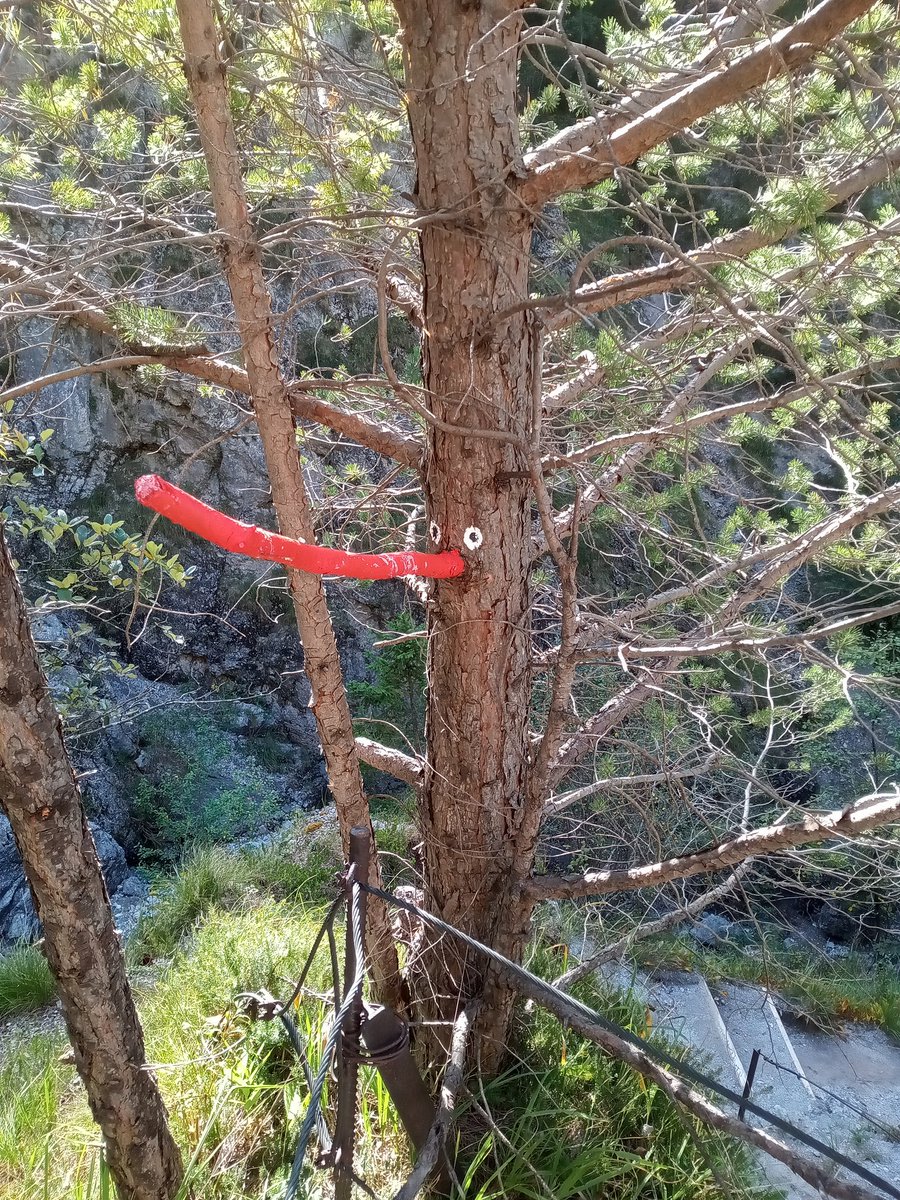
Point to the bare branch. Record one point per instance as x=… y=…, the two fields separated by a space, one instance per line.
x=775 y=561
x=85 y=307
x=603 y=722
x=751 y=640
x=393 y=762
x=564 y=310
x=868 y=813
x=590 y=375
x=669 y=920
x=591 y=150
x=653 y=433
x=558 y=804
x=93 y=368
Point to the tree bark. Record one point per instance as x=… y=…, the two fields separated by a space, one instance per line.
x=242 y=265
x=461 y=68
x=39 y=794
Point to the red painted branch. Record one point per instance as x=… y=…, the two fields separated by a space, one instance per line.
x=213 y=526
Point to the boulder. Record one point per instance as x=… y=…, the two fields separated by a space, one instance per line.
x=711 y=929
x=18 y=920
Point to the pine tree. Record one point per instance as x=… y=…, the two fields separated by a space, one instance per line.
x=646 y=264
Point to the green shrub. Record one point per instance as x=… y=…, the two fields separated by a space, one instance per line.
x=192 y=802
x=26 y=982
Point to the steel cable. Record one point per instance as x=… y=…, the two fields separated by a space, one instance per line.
x=676 y=1065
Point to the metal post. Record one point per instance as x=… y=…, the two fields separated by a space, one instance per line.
x=386 y=1038
x=751 y=1075
x=348 y=1054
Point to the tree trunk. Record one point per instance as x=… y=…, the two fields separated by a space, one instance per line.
x=242 y=265
x=39 y=794
x=461 y=64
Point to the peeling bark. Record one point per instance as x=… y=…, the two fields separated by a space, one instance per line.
x=41 y=798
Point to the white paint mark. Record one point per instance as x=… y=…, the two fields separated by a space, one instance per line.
x=473 y=538
x=434 y=532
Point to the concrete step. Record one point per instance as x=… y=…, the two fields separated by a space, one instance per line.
x=856 y=1076
x=683 y=1006
x=753 y=1023
x=725 y=1024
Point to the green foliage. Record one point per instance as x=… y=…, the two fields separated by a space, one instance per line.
x=825 y=990
x=102 y=554
x=21 y=454
x=88 y=558
x=195 y=794
x=149 y=325
x=26 y=981
x=396 y=694
x=69 y=195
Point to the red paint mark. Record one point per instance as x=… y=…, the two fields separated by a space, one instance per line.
x=214 y=526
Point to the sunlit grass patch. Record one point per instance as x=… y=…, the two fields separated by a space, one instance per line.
x=26 y=982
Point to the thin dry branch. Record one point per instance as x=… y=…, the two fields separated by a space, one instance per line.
x=77 y=301
x=654 y=433
x=590 y=375
x=774 y=561
x=750 y=640
x=402 y=766
x=453 y=1081
x=669 y=920
x=557 y=804
x=609 y=717
x=871 y=812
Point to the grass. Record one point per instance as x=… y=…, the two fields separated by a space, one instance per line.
x=824 y=990
x=25 y=981
x=563 y=1122
x=302 y=865
x=572 y=1122
x=232 y=1087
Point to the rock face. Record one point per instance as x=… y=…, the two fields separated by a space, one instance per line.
x=225 y=645
x=18 y=920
